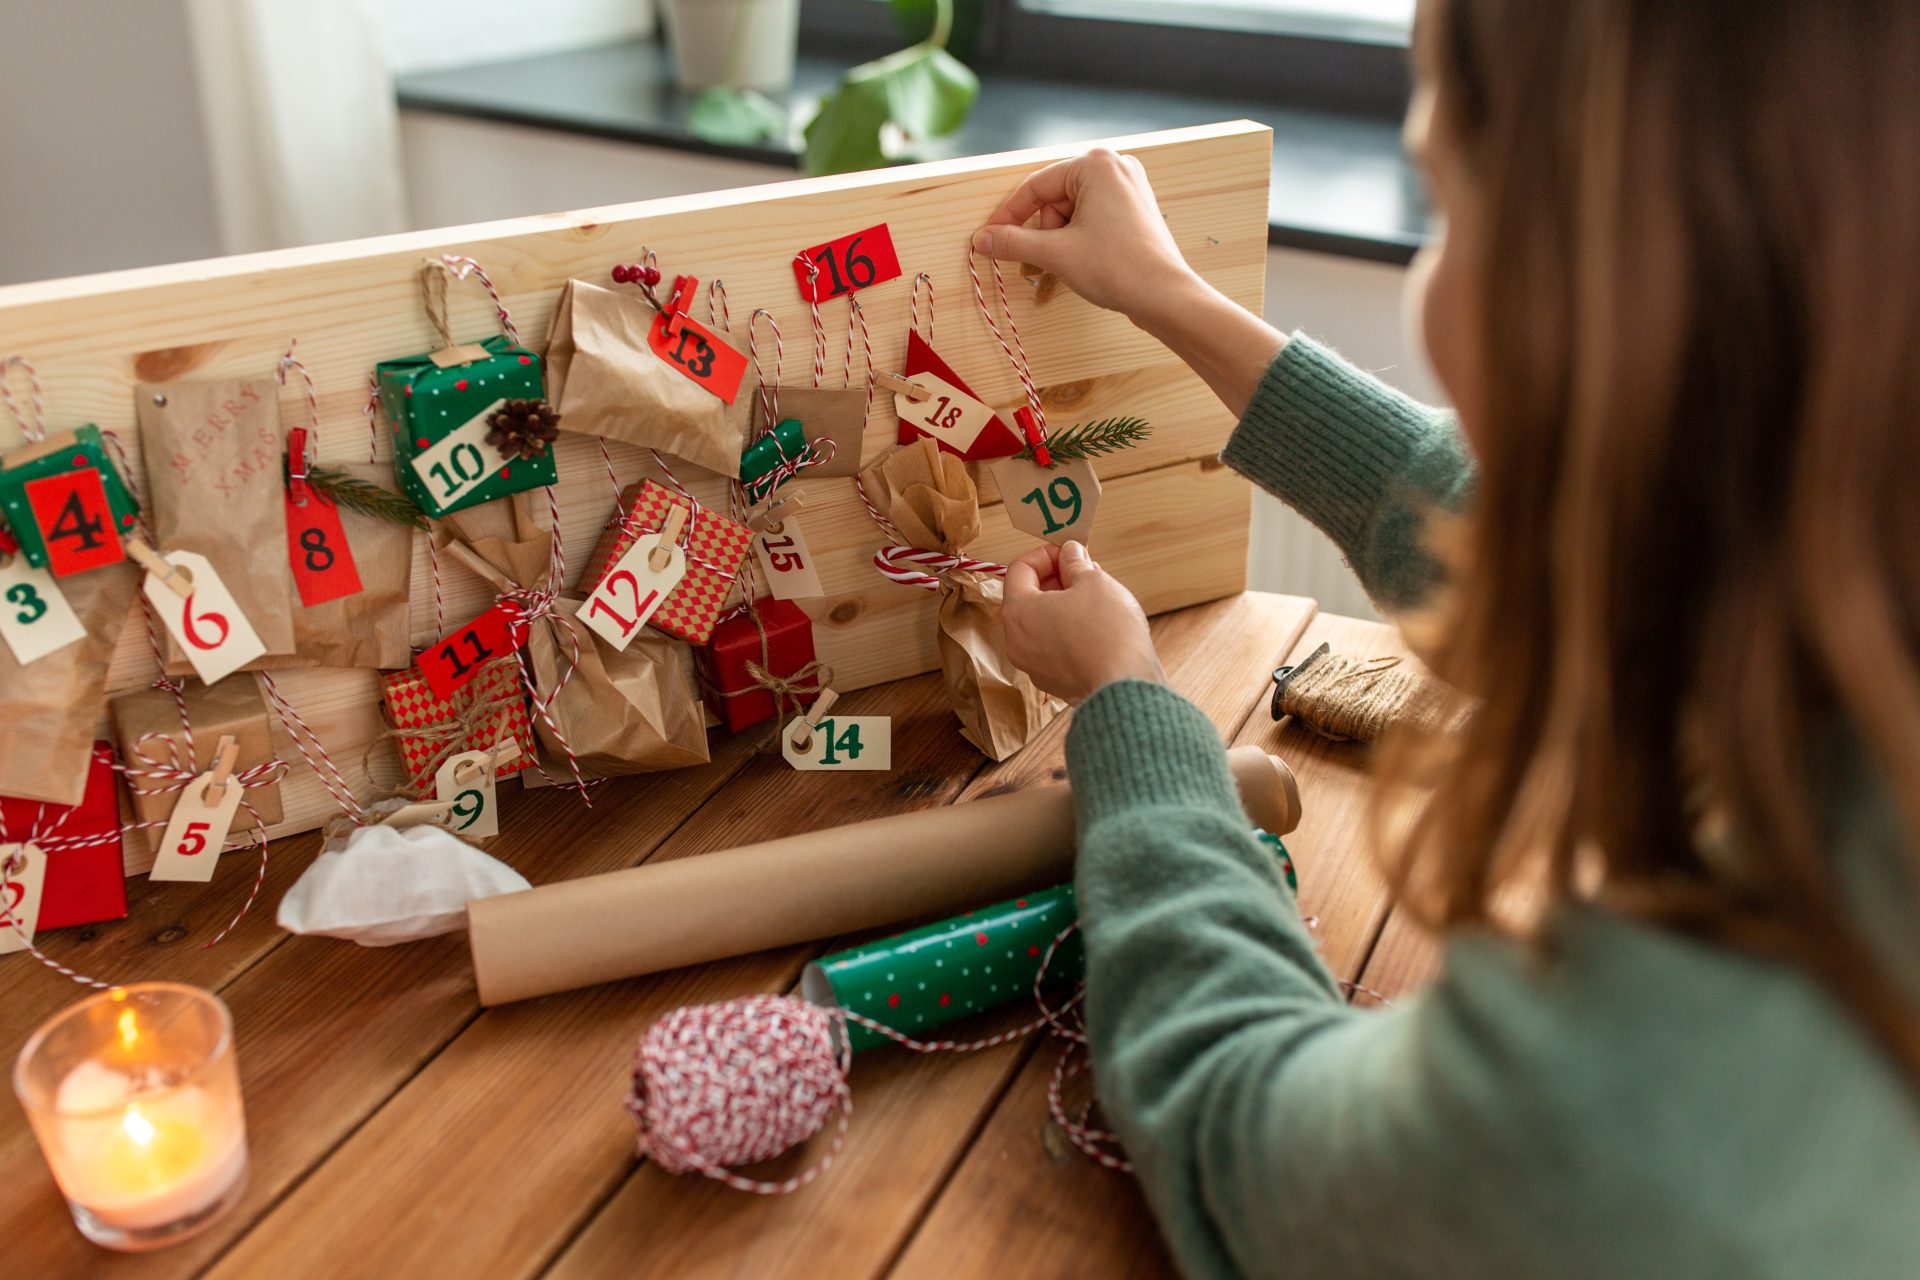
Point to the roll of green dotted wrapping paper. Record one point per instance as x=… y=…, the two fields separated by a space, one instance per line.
x=917 y=981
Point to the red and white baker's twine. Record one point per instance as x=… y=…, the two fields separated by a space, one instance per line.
x=291 y=361
x=813 y=310
x=460 y=267
x=373 y=418
x=913 y=306
x=34 y=429
x=1016 y=351
x=857 y=315
x=769 y=387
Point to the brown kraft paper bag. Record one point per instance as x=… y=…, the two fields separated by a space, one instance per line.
x=368 y=629
x=837 y=414
x=215 y=455
x=147 y=730
x=604 y=380
x=622 y=712
x=50 y=709
x=930 y=498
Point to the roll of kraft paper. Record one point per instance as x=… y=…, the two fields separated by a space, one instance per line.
x=800 y=888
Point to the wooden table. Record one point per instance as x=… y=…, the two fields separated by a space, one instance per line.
x=398 y=1130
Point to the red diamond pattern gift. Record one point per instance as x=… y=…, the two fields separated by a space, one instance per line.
x=430 y=729
x=715 y=547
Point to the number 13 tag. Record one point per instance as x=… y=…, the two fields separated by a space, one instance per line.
x=35 y=618
x=217 y=637
x=636 y=586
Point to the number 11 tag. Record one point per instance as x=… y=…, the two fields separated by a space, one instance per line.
x=35 y=618
x=20 y=894
x=948 y=414
x=217 y=637
x=638 y=584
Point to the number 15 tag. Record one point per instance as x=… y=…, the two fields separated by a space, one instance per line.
x=216 y=636
x=35 y=618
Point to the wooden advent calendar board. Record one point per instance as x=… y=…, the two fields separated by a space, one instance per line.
x=1172 y=524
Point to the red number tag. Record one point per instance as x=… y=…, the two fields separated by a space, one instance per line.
x=455 y=658
x=75 y=521
x=851 y=262
x=317 y=549
x=700 y=354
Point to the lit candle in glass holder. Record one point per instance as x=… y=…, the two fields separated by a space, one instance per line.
x=135 y=1099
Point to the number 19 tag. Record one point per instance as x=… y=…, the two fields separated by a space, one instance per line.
x=197 y=831
x=216 y=636
x=839 y=743
x=1054 y=503
x=35 y=618
x=20 y=894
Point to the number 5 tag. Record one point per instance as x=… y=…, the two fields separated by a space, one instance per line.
x=217 y=637
x=20 y=894
x=197 y=831
x=35 y=618
x=638 y=584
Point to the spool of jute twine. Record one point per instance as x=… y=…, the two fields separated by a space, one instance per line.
x=1347 y=698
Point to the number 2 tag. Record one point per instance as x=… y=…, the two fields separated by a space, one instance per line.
x=466 y=781
x=217 y=637
x=782 y=552
x=35 y=618
x=197 y=831
x=20 y=894
x=456 y=658
x=700 y=354
x=323 y=567
x=839 y=743
x=635 y=588
x=948 y=414
x=1053 y=503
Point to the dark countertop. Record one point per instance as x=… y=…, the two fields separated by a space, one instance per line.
x=1341 y=184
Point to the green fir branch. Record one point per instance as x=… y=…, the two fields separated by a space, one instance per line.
x=1091 y=439
x=351 y=494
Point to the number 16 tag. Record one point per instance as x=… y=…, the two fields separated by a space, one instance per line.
x=217 y=637
x=35 y=618
x=638 y=584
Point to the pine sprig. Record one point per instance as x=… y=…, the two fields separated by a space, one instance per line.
x=352 y=494
x=1091 y=439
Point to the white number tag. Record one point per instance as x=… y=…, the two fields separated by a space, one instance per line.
x=35 y=618
x=459 y=460
x=197 y=831
x=634 y=588
x=1054 y=503
x=839 y=743
x=468 y=781
x=217 y=637
x=785 y=559
x=948 y=414
x=20 y=894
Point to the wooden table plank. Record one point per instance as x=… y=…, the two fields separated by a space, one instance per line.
x=326 y=1031
x=913 y=1116
x=1023 y=1201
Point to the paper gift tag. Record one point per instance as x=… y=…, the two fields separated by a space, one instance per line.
x=456 y=658
x=839 y=743
x=782 y=552
x=323 y=567
x=466 y=781
x=20 y=894
x=948 y=414
x=216 y=636
x=75 y=521
x=852 y=262
x=700 y=354
x=35 y=618
x=634 y=589
x=1054 y=503
x=197 y=831
x=460 y=460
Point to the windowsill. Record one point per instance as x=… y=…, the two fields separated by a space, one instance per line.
x=1341 y=184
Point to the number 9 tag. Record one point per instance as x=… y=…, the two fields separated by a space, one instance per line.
x=467 y=781
x=637 y=585
x=216 y=636
x=35 y=618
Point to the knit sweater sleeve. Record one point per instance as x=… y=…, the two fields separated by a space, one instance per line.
x=1366 y=464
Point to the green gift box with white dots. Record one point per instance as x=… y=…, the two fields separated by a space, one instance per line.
x=439 y=426
x=917 y=981
x=83 y=447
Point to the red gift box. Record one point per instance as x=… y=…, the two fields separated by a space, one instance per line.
x=715 y=547
x=736 y=642
x=488 y=707
x=86 y=882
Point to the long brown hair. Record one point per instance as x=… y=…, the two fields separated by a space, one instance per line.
x=1693 y=562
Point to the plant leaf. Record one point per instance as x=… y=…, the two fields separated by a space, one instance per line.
x=844 y=135
x=924 y=90
x=930 y=96
x=734 y=116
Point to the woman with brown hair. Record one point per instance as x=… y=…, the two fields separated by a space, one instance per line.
x=1670 y=548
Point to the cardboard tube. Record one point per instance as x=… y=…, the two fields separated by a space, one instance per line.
x=800 y=888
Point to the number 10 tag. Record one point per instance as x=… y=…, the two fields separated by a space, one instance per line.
x=35 y=618
x=638 y=584
x=217 y=637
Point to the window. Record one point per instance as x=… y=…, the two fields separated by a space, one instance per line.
x=1377 y=21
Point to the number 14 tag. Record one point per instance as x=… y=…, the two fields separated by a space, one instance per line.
x=838 y=743
x=35 y=618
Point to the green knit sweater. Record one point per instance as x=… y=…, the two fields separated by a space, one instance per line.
x=1627 y=1103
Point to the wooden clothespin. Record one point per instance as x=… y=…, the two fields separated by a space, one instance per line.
x=684 y=288
x=815 y=714
x=670 y=534
x=1030 y=428
x=770 y=517
x=225 y=755
x=505 y=752
x=900 y=385
x=418 y=814
x=176 y=578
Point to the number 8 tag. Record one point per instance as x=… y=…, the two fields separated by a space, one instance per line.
x=317 y=550
x=216 y=636
x=35 y=618
x=635 y=588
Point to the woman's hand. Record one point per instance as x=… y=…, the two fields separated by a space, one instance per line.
x=1096 y=226
x=1071 y=627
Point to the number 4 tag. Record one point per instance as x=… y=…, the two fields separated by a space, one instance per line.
x=35 y=618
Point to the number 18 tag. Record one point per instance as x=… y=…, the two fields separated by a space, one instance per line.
x=217 y=637
x=35 y=618
x=638 y=584
x=948 y=414
x=20 y=894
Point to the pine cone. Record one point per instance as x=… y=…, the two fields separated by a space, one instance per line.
x=523 y=428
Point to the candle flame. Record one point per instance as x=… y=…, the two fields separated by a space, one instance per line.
x=138 y=1127
x=129 y=1029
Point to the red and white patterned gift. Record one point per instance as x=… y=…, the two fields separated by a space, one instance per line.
x=484 y=710
x=715 y=547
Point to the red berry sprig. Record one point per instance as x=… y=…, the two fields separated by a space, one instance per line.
x=645 y=276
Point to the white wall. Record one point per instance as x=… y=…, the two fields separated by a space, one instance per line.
x=429 y=35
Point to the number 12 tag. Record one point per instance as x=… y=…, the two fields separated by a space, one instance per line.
x=197 y=831
x=20 y=894
x=839 y=743
x=635 y=588
x=217 y=637
x=35 y=618
x=323 y=567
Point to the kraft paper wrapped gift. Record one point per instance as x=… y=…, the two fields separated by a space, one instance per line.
x=620 y=711
x=147 y=728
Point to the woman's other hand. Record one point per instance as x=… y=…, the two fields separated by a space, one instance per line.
x=1072 y=627
x=1096 y=226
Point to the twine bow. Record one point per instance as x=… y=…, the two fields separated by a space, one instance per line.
x=468 y=713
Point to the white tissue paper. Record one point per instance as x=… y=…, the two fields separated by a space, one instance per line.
x=384 y=885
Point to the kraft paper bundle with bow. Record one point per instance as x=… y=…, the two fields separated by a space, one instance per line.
x=932 y=504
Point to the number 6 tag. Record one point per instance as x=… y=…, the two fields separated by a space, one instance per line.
x=217 y=637
x=35 y=618
x=197 y=831
x=638 y=584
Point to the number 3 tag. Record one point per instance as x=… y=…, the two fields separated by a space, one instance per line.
x=217 y=637
x=636 y=587
x=197 y=831
x=839 y=743
x=35 y=618
x=20 y=894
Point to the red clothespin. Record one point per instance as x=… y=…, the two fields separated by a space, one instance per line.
x=684 y=287
x=1036 y=436
x=297 y=465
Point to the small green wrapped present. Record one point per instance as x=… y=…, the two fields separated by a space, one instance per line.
x=72 y=516
x=440 y=417
x=772 y=460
